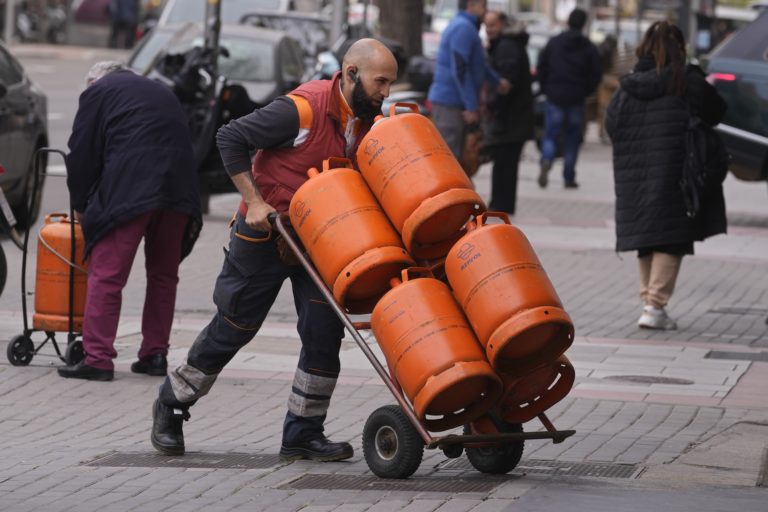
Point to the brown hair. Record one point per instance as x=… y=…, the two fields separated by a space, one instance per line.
x=664 y=42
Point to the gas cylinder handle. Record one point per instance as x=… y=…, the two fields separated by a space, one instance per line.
x=499 y=215
x=479 y=220
x=411 y=106
x=51 y=217
x=408 y=273
x=335 y=162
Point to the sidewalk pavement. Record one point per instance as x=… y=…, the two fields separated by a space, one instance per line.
x=673 y=420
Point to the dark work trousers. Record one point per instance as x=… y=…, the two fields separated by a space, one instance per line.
x=245 y=291
x=506 y=158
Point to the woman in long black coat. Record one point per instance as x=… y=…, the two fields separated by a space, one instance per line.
x=647 y=121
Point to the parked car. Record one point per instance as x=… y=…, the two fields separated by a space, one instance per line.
x=180 y=11
x=23 y=129
x=738 y=68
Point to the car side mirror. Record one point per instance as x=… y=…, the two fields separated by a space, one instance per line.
x=3 y=90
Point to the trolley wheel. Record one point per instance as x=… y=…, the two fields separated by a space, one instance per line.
x=453 y=451
x=74 y=353
x=20 y=350
x=391 y=445
x=500 y=459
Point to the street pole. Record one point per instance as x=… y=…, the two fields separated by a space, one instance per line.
x=339 y=18
x=212 y=29
x=8 y=30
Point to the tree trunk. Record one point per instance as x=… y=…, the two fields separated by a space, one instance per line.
x=402 y=20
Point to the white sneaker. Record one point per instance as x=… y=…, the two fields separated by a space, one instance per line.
x=656 y=318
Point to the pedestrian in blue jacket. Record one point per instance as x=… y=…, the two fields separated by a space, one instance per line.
x=460 y=73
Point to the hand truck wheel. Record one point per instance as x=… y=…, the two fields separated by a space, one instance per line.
x=391 y=445
x=74 y=353
x=496 y=459
x=20 y=350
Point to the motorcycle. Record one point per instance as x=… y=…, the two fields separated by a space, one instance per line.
x=50 y=27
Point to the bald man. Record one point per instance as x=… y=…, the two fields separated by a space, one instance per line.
x=319 y=119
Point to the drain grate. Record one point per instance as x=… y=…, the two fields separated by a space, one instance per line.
x=561 y=468
x=371 y=483
x=738 y=356
x=190 y=460
x=649 y=379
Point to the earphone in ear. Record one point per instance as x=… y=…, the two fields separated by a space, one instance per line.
x=352 y=75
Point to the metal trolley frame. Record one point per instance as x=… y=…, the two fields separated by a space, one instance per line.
x=393 y=437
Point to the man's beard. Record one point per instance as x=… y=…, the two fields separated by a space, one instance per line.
x=363 y=106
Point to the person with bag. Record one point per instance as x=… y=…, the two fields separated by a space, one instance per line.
x=460 y=72
x=295 y=132
x=648 y=122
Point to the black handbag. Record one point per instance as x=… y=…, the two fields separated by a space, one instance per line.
x=705 y=165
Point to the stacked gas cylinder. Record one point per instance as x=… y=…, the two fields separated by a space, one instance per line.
x=488 y=335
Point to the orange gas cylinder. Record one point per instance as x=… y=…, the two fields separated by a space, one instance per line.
x=433 y=353
x=349 y=239
x=529 y=395
x=418 y=182
x=507 y=296
x=54 y=246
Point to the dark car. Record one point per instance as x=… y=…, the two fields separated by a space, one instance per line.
x=258 y=65
x=738 y=68
x=23 y=129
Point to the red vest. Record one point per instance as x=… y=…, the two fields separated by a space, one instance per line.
x=279 y=172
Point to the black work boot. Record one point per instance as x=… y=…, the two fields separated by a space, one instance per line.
x=155 y=365
x=83 y=371
x=167 y=434
x=321 y=449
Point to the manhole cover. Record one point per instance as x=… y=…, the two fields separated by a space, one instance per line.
x=649 y=379
x=738 y=356
x=190 y=460
x=483 y=483
x=560 y=468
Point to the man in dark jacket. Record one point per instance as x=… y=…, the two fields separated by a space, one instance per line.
x=130 y=175
x=318 y=120
x=123 y=19
x=508 y=120
x=569 y=70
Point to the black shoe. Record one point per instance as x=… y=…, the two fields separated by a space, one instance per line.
x=83 y=371
x=156 y=365
x=320 y=449
x=167 y=434
x=571 y=184
x=544 y=168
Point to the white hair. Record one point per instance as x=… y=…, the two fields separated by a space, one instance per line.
x=102 y=69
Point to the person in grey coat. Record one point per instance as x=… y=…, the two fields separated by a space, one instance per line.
x=647 y=121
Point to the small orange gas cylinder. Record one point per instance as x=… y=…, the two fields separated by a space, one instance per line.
x=432 y=352
x=54 y=251
x=347 y=236
x=418 y=182
x=529 y=395
x=507 y=296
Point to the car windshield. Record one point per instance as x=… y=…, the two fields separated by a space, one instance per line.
x=250 y=60
x=231 y=10
x=749 y=43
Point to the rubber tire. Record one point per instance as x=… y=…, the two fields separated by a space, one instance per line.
x=74 y=353
x=20 y=350
x=3 y=270
x=497 y=460
x=389 y=421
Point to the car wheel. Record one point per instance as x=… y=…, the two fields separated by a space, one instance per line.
x=25 y=218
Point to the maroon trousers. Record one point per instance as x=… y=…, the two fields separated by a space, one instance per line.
x=110 y=264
